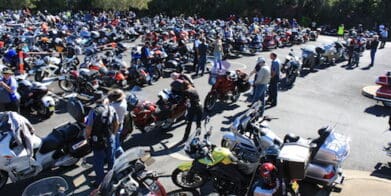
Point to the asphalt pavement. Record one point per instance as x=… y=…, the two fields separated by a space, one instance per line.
x=329 y=96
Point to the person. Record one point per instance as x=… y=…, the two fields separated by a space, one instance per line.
x=275 y=77
x=218 y=51
x=9 y=96
x=384 y=37
x=261 y=79
x=196 y=43
x=374 y=45
x=341 y=31
x=102 y=125
x=118 y=102
x=202 y=52
x=353 y=46
x=146 y=58
x=194 y=111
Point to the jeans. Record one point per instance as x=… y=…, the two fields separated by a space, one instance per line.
x=273 y=89
x=217 y=56
x=373 y=52
x=194 y=111
x=201 y=65
x=259 y=94
x=100 y=157
x=117 y=144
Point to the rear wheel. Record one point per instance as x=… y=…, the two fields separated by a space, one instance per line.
x=44 y=111
x=66 y=85
x=156 y=74
x=3 y=178
x=210 y=101
x=187 y=180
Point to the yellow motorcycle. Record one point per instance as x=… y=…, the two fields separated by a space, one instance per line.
x=218 y=164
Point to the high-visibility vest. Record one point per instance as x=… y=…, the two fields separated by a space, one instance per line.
x=341 y=30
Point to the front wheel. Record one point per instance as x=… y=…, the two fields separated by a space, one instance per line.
x=44 y=111
x=3 y=178
x=156 y=74
x=187 y=180
x=66 y=85
x=290 y=79
x=39 y=76
x=210 y=101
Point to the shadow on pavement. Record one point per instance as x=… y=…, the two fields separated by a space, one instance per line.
x=378 y=110
x=181 y=192
x=221 y=107
x=382 y=170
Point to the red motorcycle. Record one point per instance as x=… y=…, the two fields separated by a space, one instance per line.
x=226 y=88
x=269 y=42
x=383 y=94
x=148 y=116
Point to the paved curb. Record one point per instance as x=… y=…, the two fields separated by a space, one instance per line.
x=362 y=183
x=370 y=91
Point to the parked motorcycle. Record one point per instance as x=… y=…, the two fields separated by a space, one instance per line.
x=327 y=152
x=129 y=176
x=291 y=68
x=227 y=87
x=147 y=115
x=64 y=146
x=383 y=94
x=34 y=97
x=214 y=164
x=83 y=82
x=50 y=68
x=332 y=53
x=309 y=58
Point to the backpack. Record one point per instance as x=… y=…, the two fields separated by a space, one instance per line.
x=102 y=127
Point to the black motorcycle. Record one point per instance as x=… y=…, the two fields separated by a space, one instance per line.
x=291 y=67
x=34 y=97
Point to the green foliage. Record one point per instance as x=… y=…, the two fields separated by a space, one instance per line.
x=121 y=5
x=16 y=4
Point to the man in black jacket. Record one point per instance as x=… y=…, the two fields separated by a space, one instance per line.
x=374 y=45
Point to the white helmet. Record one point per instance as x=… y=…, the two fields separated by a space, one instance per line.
x=261 y=60
x=232 y=76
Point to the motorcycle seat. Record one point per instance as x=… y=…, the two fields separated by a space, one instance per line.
x=58 y=137
x=289 y=138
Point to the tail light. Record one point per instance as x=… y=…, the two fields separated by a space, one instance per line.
x=329 y=175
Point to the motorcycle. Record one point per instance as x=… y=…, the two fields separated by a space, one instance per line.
x=218 y=164
x=309 y=57
x=331 y=53
x=64 y=146
x=50 y=68
x=47 y=186
x=35 y=97
x=291 y=68
x=327 y=152
x=129 y=176
x=383 y=94
x=84 y=82
x=227 y=87
x=146 y=115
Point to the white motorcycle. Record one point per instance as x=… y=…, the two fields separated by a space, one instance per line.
x=327 y=152
x=64 y=146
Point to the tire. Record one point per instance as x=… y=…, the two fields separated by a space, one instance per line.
x=290 y=80
x=210 y=101
x=3 y=178
x=235 y=95
x=39 y=76
x=67 y=85
x=156 y=74
x=177 y=173
x=44 y=111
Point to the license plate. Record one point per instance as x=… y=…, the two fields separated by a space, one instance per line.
x=79 y=144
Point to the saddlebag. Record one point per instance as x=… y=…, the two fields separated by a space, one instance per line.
x=294 y=158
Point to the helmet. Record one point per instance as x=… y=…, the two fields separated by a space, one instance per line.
x=261 y=60
x=132 y=101
x=232 y=76
x=268 y=173
x=192 y=148
x=95 y=34
x=46 y=59
x=164 y=95
x=58 y=41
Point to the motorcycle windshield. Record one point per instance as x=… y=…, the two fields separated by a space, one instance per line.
x=122 y=162
x=48 y=186
x=337 y=144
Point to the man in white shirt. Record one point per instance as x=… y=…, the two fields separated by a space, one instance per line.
x=261 y=80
